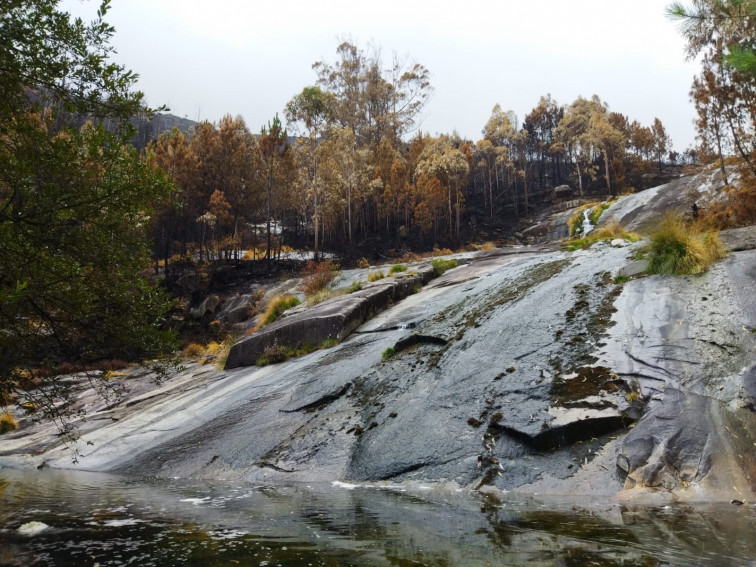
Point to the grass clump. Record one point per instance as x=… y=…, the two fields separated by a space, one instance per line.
x=678 y=248
x=375 y=276
x=388 y=353
x=329 y=343
x=397 y=268
x=276 y=353
x=277 y=306
x=608 y=232
x=356 y=286
x=194 y=350
x=7 y=423
x=441 y=251
x=620 y=279
x=598 y=210
x=441 y=265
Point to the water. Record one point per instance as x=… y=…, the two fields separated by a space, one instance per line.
x=587 y=224
x=103 y=520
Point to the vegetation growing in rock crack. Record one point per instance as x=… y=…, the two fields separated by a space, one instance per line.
x=277 y=307
x=441 y=265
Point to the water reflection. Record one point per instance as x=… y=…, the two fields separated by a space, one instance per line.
x=98 y=519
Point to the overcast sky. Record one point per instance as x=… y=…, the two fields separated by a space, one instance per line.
x=206 y=58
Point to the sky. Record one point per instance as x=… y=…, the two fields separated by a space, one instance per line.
x=242 y=57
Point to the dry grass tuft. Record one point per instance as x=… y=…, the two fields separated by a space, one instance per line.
x=194 y=350
x=7 y=423
x=678 y=247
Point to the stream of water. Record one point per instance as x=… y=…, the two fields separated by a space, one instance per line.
x=97 y=519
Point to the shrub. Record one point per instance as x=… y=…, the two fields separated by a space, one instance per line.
x=277 y=306
x=397 y=268
x=363 y=263
x=487 y=246
x=317 y=276
x=193 y=350
x=677 y=248
x=375 y=276
x=441 y=265
x=213 y=348
x=7 y=423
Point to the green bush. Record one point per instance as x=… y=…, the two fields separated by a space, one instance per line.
x=441 y=265
x=397 y=268
x=388 y=353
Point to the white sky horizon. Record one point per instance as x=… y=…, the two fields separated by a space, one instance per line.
x=249 y=58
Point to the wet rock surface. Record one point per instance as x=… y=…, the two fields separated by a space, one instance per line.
x=525 y=369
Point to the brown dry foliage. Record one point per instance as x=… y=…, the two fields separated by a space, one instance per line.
x=739 y=208
x=317 y=276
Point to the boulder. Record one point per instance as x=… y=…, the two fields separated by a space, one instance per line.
x=736 y=239
x=335 y=318
x=209 y=305
x=679 y=443
x=563 y=192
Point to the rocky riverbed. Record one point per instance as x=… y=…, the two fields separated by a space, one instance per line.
x=524 y=369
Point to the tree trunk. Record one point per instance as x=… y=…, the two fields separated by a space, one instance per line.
x=606 y=168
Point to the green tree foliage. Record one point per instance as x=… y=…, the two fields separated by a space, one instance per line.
x=75 y=201
x=371 y=102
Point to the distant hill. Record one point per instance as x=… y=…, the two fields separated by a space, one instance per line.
x=161 y=122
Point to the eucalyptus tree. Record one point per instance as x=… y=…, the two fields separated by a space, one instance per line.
x=310 y=113
x=275 y=174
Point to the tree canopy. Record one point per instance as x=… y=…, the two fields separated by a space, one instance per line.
x=75 y=200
